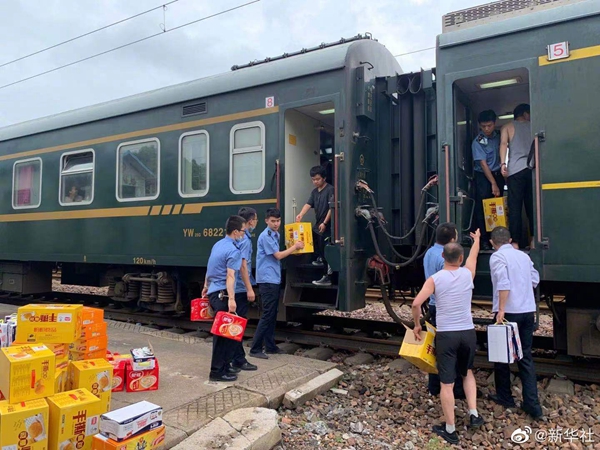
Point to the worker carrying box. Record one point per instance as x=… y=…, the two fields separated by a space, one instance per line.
x=495 y=212
x=299 y=231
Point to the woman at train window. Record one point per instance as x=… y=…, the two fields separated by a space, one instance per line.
x=73 y=195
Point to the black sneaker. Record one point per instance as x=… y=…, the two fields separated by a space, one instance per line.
x=475 y=422
x=440 y=430
x=277 y=351
x=233 y=369
x=497 y=400
x=318 y=262
x=260 y=355
x=535 y=413
x=325 y=281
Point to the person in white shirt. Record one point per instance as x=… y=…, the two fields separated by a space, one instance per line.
x=455 y=339
x=514 y=277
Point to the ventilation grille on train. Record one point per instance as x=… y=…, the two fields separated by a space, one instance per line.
x=496 y=11
x=196 y=108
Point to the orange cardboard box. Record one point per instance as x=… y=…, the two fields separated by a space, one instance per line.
x=90 y=345
x=95 y=375
x=142 y=380
x=24 y=425
x=91 y=316
x=49 y=323
x=74 y=420
x=27 y=372
x=80 y=356
x=151 y=440
x=93 y=331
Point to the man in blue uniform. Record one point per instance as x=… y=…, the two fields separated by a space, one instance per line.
x=489 y=181
x=243 y=285
x=268 y=277
x=224 y=261
x=433 y=262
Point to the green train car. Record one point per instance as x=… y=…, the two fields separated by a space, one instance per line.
x=133 y=193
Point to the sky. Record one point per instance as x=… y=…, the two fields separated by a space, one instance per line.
x=256 y=31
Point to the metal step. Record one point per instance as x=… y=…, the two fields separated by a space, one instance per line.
x=311 y=286
x=310 y=305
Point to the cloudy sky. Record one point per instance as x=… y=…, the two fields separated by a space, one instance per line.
x=212 y=46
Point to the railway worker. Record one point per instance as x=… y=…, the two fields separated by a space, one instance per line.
x=489 y=181
x=319 y=199
x=224 y=262
x=513 y=280
x=455 y=339
x=244 y=292
x=516 y=135
x=433 y=263
x=268 y=277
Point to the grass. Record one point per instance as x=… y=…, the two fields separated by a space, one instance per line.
x=437 y=444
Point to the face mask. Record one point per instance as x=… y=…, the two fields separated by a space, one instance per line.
x=239 y=238
x=250 y=229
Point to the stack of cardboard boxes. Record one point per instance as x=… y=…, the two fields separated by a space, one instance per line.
x=56 y=379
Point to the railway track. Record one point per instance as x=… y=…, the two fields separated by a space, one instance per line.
x=340 y=333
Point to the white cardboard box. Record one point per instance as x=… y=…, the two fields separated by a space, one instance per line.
x=126 y=422
x=504 y=344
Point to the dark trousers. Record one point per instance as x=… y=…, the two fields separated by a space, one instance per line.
x=239 y=356
x=320 y=243
x=434 y=378
x=520 y=191
x=483 y=190
x=265 y=331
x=223 y=348
x=531 y=403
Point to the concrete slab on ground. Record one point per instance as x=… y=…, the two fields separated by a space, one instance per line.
x=188 y=399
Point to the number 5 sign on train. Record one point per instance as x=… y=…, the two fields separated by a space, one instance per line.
x=559 y=50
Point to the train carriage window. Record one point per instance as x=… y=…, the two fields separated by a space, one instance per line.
x=193 y=164
x=76 y=186
x=138 y=170
x=27 y=184
x=247 y=158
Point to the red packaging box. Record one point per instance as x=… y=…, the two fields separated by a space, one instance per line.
x=141 y=380
x=230 y=326
x=201 y=310
x=120 y=364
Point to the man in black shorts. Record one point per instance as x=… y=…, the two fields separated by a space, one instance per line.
x=455 y=339
x=319 y=199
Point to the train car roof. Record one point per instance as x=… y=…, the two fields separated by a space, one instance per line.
x=306 y=62
x=510 y=16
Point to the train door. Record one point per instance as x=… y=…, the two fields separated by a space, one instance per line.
x=309 y=142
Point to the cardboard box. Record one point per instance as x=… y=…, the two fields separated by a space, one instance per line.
x=60 y=380
x=420 y=353
x=91 y=316
x=123 y=423
x=95 y=375
x=299 y=231
x=230 y=326
x=80 y=356
x=94 y=330
x=201 y=310
x=27 y=372
x=74 y=420
x=49 y=323
x=504 y=343
x=24 y=425
x=90 y=345
x=495 y=212
x=151 y=440
x=119 y=363
x=142 y=380
x=61 y=353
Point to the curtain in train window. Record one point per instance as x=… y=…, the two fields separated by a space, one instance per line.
x=138 y=170
x=27 y=184
x=247 y=158
x=194 y=155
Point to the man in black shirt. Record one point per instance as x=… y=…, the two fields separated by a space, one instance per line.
x=319 y=200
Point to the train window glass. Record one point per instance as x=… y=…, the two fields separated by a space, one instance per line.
x=193 y=164
x=138 y=170
x=76 y=186
x=247 y=164
x=27 y=184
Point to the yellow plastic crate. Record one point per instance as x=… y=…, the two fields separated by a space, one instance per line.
x=495 y=212
x=420 y=353
x=299 y=231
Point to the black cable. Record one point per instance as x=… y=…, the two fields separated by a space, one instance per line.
x=86 y=34
x=130 y=43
